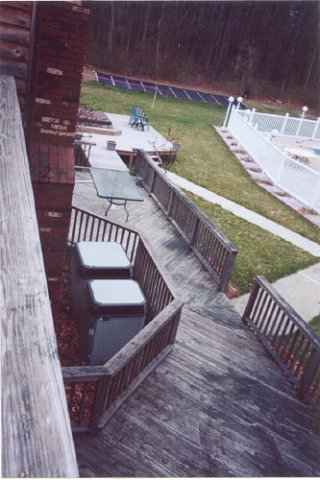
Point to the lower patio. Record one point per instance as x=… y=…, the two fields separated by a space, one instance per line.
x=217 y=405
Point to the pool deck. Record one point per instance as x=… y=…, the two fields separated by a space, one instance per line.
x=301 y=149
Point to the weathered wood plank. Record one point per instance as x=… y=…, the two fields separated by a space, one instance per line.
x=14 y=34
x=14 y=51
x=217 y=405
x=36 y=434
x=15 y=16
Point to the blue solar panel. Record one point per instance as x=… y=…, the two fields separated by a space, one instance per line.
x=104 y=78
x=180 y=93
x=151 y=90
x=150 y=87
x=135 y=85
x=193 y=95
x=165 y=90
x=120 y=82
x=207 y=97
x=148 y=84
x=174 y=92
x=118 y=78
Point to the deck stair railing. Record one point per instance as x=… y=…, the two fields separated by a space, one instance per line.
x=213 y=249
x=290 y=340
x=95 y=392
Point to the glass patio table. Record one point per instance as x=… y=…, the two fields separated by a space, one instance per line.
x=118 y=187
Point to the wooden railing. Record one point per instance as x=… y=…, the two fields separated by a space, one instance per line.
x=214 y=250
x=36 y=434
x=82 y=151
x=95 y=392
x=291 y=342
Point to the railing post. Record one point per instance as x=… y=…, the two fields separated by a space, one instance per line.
x=175 y=327
x=251 y=301
x=284 y=124
x=170 y=204
x=194 y=231
x=153 y=179
x=227 y=270
x=99 y=403
x=309 y=373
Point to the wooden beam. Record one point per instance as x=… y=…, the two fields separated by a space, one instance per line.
x=36 y=433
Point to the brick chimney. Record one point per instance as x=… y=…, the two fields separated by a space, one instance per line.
x=57 y=60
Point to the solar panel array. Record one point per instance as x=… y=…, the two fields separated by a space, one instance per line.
x=164 y=90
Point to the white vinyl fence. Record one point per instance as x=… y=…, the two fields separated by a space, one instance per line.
x=300 y=181
x=284 y=124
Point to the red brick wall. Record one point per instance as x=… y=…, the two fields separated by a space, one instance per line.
x=55 y=89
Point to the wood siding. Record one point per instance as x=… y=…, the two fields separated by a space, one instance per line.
x=15 y=44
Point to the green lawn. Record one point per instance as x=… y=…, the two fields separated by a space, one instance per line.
x=260 y=252
x=315 y=324
x=203 y=158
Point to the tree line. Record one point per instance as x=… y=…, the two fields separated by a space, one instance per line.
x=268 y=48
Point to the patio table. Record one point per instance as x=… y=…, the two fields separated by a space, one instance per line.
x=117 y=186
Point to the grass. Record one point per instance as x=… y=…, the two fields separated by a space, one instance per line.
x=315 y=324
x=205 y=160
x=260 y=252
x=203 y=157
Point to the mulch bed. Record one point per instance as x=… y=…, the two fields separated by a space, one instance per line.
x=65 y=327
x=80 y=396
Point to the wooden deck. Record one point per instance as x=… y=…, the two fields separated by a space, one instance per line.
x=217 y=405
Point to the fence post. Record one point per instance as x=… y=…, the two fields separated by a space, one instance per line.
x=230 y=100
x=315 y=199
x=309 y=373
x=284 y=124
x=253 y=111
x=316 y=128
x=227 y=270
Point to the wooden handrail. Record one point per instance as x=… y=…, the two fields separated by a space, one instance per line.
x=36 y=433
x=212 y=248
x=101 y=390
x=290 y=340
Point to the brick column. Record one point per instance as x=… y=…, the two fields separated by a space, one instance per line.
x=53 y=108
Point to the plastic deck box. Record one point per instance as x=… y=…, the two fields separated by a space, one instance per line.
x=114 y=312
x=94 y=260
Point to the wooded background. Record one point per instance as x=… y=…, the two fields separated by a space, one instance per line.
x=245 y=47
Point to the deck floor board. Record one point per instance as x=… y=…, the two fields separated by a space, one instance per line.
x=218 y=404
